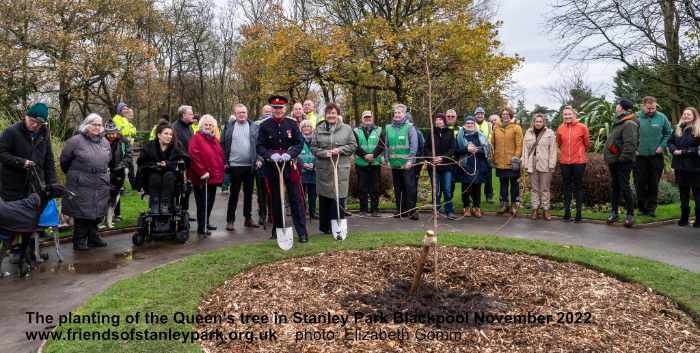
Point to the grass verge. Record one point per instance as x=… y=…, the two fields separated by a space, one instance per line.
x=663 y=212
x=181 y=285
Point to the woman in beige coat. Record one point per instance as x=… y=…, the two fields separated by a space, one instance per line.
x=539 y=160
x=332 y=139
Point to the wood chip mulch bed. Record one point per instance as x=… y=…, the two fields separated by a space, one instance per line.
x=599 y=313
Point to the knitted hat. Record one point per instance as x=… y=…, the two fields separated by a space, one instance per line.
x=626 y=105
x=121 y=107
x=111 y=127
x=469 y=118
x=479 y=110
x=39 y=111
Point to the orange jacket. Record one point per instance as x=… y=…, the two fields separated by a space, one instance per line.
x=573 y=141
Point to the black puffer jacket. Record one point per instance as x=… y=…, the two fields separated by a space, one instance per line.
x=120 y=162
x=444 y=146
x=183 y=134
x=17 y=146
x=151 y=154
x=689 y=160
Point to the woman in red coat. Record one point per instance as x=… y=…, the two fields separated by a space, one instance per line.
x=206 y=171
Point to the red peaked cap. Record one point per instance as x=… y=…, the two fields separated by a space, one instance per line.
x=278 y=101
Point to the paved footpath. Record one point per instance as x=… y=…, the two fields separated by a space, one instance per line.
x=59 y=288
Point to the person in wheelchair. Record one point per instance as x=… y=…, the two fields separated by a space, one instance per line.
x=157 y=169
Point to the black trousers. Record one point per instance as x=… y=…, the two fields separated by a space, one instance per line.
x=471 y=195
x=647 y=174
x=327 y=211
x=368 y=181
x=405 y=190
x=261 y=192
x=85 y=229
x=573 y=184
x=204 y=211
x=240 y=176
x=686 y=191
x=310 y=193
x=488 y=185
x=417 y=169
x=161 y=187
x=294 y=197
x=620 y=183
x=510 y=184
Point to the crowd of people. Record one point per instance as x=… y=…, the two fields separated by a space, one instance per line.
x=313 y=155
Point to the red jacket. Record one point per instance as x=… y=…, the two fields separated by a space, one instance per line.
x=207 y=156
x=573 y=141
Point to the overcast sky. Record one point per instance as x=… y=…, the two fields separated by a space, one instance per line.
x=523 y=33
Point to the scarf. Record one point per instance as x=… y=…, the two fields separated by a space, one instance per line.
x=462 y=141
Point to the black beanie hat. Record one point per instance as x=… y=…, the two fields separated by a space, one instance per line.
x=625 y=104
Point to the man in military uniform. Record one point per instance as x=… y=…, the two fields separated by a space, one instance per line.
x=280 y=140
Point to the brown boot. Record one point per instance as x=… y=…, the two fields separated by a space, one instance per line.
x=547 y=215
x=229 y=227
x=535 y=214
x=477 y=213
x=503 y=208
x=467 y=212
x=250 y=224
x=514 y=208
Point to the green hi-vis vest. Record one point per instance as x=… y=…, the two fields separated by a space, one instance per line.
x=368 y=144
x=399 y=148
x=306 y=157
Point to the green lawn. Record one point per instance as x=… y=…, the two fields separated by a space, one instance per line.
x=131 y=207
x=663 y=212
x=181 y=285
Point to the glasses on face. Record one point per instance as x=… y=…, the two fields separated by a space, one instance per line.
x=96 y=125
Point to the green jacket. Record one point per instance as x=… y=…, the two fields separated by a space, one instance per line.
x=653 y=132
x=623 y=139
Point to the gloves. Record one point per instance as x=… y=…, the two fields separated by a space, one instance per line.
x=285 y=157
x=204 y=176
x=276 y=157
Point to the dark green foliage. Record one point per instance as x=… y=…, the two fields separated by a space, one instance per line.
x=596 y=182
x=668 y=193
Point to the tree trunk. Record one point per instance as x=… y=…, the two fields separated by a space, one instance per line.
x=355 y=106
x=375 y=104
x=671 y=34
x=324 y=89
x=399 y=90
x=64 y=101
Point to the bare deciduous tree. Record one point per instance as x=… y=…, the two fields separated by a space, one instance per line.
x=633 y=32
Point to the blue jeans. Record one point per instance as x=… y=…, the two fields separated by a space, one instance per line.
x=443 y=189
